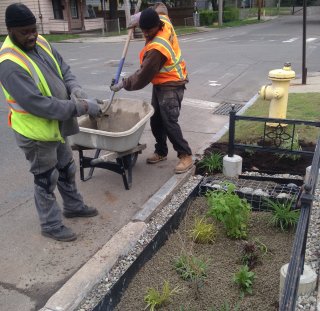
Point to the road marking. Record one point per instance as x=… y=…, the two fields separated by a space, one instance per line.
x=214 y=83
x=311 y=39
x=198 y=103
x=94 y=59
x=290 y=40
x=189 y=39
x=205 y=40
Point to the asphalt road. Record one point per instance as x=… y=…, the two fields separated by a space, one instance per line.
x=227 y=65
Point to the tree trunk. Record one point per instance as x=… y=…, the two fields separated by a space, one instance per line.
x=113 y=5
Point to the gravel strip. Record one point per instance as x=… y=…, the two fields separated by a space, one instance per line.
x=154 y=225
x=307 y=303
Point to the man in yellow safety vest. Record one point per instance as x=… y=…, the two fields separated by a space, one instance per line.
x=38 y=85
x=162 y=64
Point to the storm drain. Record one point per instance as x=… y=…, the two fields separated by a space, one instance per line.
x=225 y=108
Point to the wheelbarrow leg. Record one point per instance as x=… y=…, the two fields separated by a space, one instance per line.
x=83 y=165
x=127 y=181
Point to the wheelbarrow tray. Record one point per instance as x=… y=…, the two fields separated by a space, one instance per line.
x=118 y=131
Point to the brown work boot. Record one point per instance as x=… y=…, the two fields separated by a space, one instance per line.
x=184 y=164
x=155 y=158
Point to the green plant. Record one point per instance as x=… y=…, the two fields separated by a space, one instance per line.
x=227 y=207
x=282 y=215
x=190 y=267
x=212 y=162
x=202 y=231
x=244 y=279
x=286 y=144
x=249 y=255
x=226 y=307
x=154 y=298
x=261 y=246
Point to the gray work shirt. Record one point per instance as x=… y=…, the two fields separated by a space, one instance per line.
x=23 y=89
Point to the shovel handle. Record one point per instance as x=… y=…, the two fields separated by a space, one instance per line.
x=123 y=57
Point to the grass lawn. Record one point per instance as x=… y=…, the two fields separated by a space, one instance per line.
x=52 y=37
x=301 y=106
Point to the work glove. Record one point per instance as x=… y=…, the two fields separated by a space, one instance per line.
x=79 y=93
x=92 y=107
x=116 y=87
x=134 y=20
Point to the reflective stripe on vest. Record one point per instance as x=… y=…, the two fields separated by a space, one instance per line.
x=166 y=43
x=14 y=52
x=176 y=62
x=41 y=41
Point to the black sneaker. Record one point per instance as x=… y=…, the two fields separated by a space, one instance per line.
x=63 y=234
x=85 y=212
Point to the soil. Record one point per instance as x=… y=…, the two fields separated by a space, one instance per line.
x=266 y=162
x=223 y=258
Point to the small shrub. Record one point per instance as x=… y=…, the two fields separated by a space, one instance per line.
x=287 y=145
x=250 y=255
x=230 y=14
x=208 y=17
x=155 y=298
x=190 y=267
x=244 y=279
x=282 y=215
x=230 y=209
x=212 y=162
x=202 y=231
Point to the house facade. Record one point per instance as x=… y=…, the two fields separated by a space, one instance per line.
x=57 y=16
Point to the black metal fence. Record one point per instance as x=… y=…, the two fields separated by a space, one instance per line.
x=277 y=134
x=296 y=264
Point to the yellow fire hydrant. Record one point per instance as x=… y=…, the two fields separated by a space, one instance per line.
x=278 y=91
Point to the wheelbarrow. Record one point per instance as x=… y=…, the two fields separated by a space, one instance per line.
x=118 y=134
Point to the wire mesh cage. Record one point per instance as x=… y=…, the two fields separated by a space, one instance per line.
x=256 y=192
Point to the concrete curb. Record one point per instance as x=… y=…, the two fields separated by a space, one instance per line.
x=69 y=296
x=162 y=196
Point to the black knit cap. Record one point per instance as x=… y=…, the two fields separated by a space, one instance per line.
x=149 y=18
x=19 y=15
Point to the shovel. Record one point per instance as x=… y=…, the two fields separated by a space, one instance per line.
x=107 y=105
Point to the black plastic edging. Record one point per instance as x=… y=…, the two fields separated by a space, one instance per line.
x=113 y=296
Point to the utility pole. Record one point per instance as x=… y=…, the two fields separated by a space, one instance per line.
x=304 y=35
x=220 y=5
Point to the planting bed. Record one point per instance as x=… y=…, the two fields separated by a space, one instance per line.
x=223 y=256
x=223 y=259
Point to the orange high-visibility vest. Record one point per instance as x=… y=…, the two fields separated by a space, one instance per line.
x=166 y=42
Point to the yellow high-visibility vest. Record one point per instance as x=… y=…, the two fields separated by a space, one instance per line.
x=19 y=119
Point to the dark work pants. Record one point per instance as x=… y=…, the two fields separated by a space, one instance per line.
x=42 y=157
x=166 y=102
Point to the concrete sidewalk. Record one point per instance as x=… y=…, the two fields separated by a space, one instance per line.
x=76 y=288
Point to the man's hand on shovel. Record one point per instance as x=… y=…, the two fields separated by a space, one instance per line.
x=116 y=87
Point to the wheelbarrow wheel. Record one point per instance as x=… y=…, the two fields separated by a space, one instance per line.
x=130 y=159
